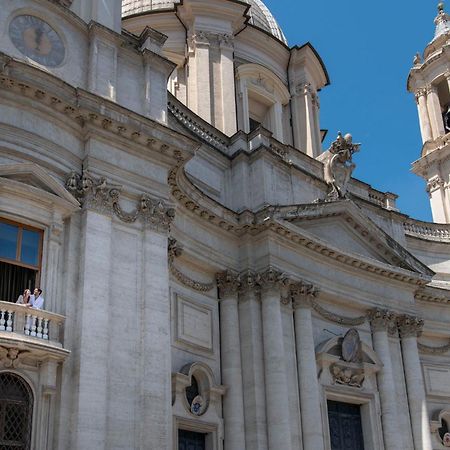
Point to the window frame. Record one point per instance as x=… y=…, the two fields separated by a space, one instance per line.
x=17 y=262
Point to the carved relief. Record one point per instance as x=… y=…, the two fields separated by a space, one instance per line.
x=11 y=357
x=271 y=278
x=97 y=194
x=348 y=376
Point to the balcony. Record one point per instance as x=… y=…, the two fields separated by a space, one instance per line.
x=29 y=335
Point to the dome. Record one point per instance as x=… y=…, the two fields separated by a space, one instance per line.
x=260 y=16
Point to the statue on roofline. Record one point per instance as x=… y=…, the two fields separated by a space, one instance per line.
x=339 y=166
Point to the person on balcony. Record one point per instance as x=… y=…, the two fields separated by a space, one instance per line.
x=24 y=299
x=37 y=300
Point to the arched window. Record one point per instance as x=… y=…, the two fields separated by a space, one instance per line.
x=16 y=412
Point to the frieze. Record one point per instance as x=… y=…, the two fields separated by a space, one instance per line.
x=98 y=195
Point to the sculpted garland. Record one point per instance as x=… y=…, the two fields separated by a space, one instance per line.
x=97 y=194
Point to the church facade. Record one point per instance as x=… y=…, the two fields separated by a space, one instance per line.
x=213 y=278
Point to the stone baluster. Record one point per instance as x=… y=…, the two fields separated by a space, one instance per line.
x=250 y=328
x=277 y=402
x=2 y=320
x=9 y=321
x=381 y=321
x=302 y=295
x=409 y=328
x=45 y=329
x=233 y=405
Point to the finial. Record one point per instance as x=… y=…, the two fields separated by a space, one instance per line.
x=441 y=6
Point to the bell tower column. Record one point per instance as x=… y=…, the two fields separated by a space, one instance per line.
x=424 y=119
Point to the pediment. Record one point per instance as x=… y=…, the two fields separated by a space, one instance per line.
x=344 y=226
x=34 y=177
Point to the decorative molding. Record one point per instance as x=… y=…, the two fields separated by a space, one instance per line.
x=337 y=318
x=434 y=184
x=174 y=250
x=434 y=350
x=228 y=284
x=425 y=295
x=210 y=38
x=409 y=326
x=422 y=92
x=65 y=3
x=96 y=194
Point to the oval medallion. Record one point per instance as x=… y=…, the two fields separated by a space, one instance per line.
x=351 y=345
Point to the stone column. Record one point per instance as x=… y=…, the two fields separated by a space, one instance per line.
x=434 y=112
x=230 y=350
x=380 y=321
x=316 y=109
x=409 y=328
x=277 y=401
x=424 y=118
x=156 y=364
x=250 y=328
x=199 y=80
x=437 y=191
x=312 y=430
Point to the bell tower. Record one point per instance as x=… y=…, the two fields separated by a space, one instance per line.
x=429 y=80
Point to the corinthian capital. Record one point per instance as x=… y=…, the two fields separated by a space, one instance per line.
x=271 y=278
x=303 y=294
x=247 y=282
x=381 y=319
x=409 y=326
x=228 y=283
x=421 y=92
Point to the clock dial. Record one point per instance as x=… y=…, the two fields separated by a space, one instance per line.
x=37 y=39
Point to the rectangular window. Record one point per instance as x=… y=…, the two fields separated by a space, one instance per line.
x=20 y=259
x=189 y=440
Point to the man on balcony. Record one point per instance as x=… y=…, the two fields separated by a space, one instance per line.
x=37 y=300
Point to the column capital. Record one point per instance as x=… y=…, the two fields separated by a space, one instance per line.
x=431 y=89
x=303 y=294
x=421 y=92
x=434 y=184
x=409 y=326
x=381 y=319
x=303 y=89
x=228 y=283
x=271 y=278
x=247 y=282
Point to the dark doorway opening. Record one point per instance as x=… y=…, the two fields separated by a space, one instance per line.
x=189 y=440
x=345 y=426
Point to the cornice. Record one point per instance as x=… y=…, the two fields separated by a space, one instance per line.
x=86 y=110
x=429 y=294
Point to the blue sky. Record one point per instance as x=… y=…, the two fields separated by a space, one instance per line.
x=368 y=49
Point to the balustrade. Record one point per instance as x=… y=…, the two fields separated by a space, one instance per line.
x=35 y=323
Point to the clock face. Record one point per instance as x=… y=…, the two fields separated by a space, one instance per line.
x=37 y=39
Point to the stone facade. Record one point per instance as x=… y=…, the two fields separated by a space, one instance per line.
x=207 y=267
